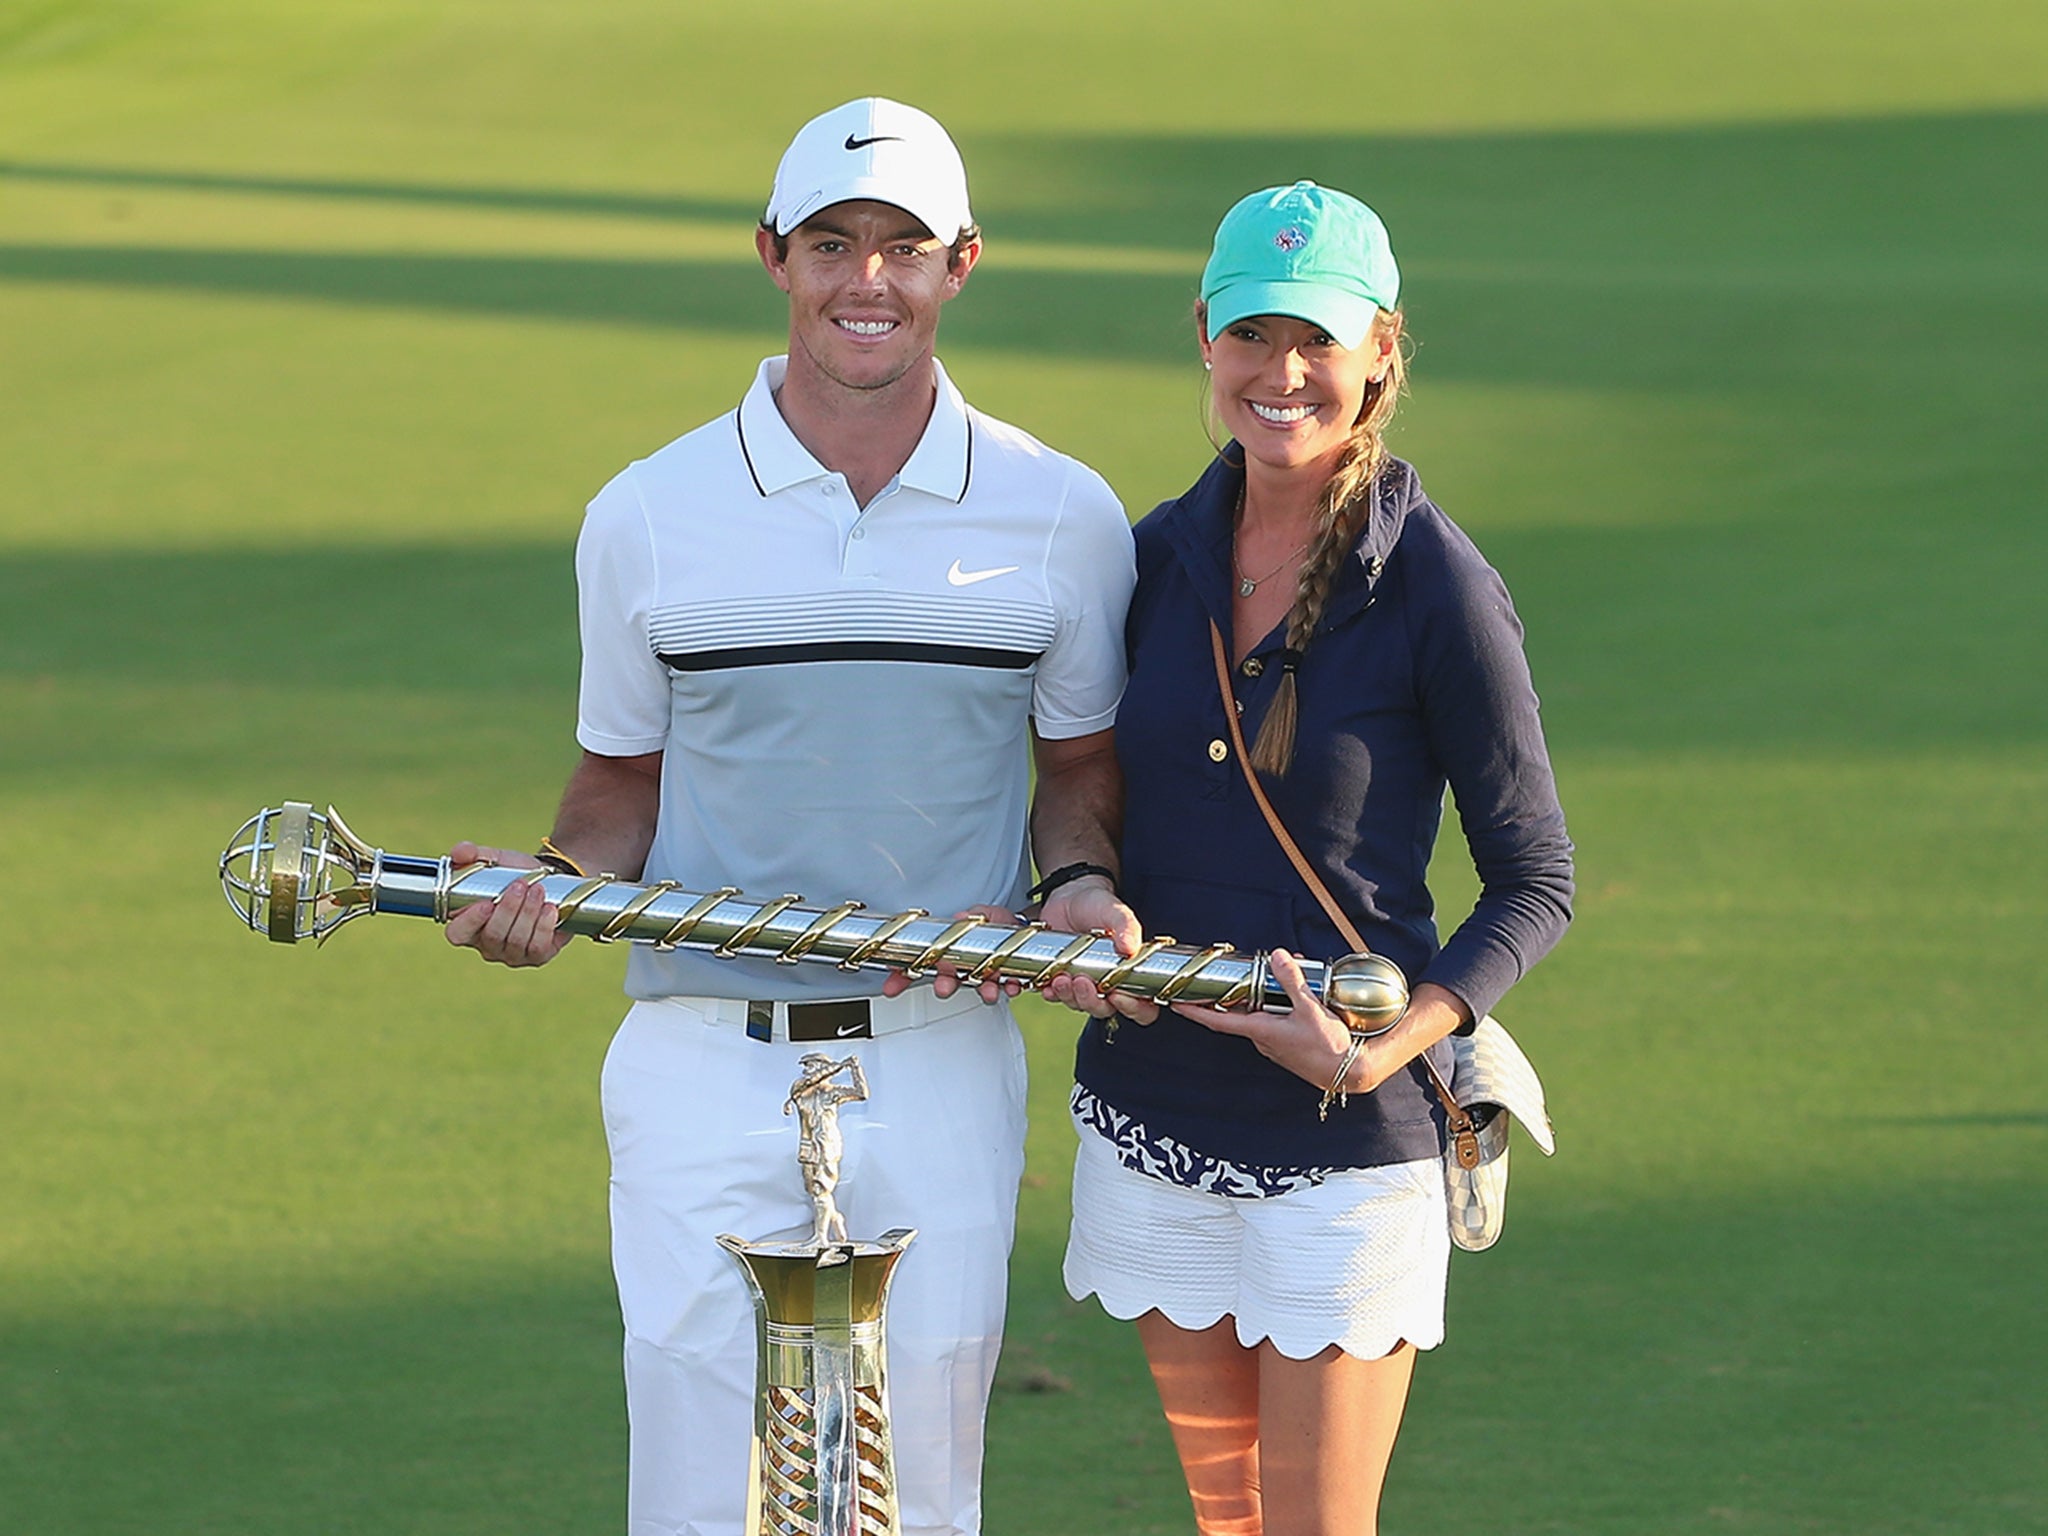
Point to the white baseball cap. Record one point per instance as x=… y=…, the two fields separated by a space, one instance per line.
x=878 y=150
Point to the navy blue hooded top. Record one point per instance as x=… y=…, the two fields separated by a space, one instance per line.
x=1414 y=680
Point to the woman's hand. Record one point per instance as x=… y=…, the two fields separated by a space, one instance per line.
x=1311 y=1042
x=1308 y=1040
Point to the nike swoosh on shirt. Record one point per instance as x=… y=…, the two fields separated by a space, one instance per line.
x=959 y=578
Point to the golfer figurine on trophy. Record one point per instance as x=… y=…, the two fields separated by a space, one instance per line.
x=816 y=1100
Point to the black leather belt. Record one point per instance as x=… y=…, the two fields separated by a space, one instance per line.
x=848 y=1020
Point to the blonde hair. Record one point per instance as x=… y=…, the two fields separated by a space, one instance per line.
x=1340 y=516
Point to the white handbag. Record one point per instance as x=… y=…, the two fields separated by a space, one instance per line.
x=1492 y=1082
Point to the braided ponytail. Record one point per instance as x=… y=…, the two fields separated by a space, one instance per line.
x=1340 y=517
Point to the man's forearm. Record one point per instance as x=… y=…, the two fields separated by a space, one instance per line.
x=1078 y=811
x=607 y=815
x=1077 y=817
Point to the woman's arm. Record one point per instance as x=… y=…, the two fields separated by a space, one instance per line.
x=1480 y=713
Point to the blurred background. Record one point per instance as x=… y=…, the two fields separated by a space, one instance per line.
x=320 y=323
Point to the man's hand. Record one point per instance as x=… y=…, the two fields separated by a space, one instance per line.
x=946 y=976
x=1090 y=905
x=606 y=818
x=518 y=929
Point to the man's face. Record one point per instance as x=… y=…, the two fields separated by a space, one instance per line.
x=865 y=281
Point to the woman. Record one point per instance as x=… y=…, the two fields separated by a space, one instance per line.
x=1283 y=1267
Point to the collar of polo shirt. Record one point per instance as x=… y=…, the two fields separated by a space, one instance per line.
x=941 y=465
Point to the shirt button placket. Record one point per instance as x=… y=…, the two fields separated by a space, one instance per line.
x=856 y=555
x=859 y=560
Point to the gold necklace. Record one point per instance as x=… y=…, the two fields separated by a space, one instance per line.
x=1247 y=585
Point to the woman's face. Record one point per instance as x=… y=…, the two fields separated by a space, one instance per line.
x=1287 y=391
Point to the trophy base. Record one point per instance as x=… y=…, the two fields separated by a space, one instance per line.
x=823 y=1463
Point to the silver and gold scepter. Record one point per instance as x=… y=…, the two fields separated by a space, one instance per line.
x=291 y=874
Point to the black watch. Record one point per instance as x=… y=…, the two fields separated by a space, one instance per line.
x=1066 y=874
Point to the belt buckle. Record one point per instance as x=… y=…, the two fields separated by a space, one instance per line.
x=848 y=1020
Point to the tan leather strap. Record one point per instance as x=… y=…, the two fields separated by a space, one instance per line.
x=1294 y=854
x=1466 y=1139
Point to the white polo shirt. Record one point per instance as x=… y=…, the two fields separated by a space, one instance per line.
x=843 y=695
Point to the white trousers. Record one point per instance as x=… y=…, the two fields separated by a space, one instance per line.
x=700 y=1146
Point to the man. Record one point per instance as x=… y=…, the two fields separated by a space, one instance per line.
x=818 y=634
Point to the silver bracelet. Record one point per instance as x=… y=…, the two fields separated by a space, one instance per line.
x=1335 y=1093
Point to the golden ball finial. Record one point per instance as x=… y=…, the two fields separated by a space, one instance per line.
x=1367 y=991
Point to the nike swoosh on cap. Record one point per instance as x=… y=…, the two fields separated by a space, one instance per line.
x=959 y=578
x=880 y=138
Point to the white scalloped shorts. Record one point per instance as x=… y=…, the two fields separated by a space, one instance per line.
x=1358 y=1261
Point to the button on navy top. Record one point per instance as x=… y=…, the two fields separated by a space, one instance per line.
x=1414 y=681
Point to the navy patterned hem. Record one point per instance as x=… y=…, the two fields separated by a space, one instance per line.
x=1146 y=1151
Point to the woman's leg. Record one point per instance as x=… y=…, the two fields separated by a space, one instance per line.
x=1326 y=1432
x=1209 y=1386
x=1272 y=1446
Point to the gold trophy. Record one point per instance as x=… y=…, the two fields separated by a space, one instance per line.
x=293 y=874
x=823 y=1463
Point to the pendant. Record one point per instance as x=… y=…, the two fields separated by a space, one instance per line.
x=1246 y=586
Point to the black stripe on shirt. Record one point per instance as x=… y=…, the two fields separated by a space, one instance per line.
x=849 y=650
x=740 y=427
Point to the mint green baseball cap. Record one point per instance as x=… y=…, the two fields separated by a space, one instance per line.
x=1309 y=252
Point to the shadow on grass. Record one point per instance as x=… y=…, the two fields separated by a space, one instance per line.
x=1766 y=635
x=1867 y=579
x=429 y=619
x=1693 y=192
x=488 y=1412
x=1680 y=1366
x=1674 y=258
x=607 y=205
x=1674 y=1366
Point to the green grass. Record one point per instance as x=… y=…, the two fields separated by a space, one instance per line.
x=319 y=324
